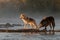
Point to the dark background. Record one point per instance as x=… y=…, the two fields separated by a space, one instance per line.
x=10 y=9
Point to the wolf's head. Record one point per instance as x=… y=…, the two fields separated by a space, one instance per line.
x=42 y=23
x=22 y=16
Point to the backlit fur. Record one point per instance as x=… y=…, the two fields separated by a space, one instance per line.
x=29 y=21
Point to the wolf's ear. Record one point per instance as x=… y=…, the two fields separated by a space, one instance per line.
x=22 y=15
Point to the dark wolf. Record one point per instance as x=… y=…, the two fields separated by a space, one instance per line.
x=48 y=21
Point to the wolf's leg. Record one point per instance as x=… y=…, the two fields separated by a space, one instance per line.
x=50 y=29
x=35 y=26
x=25 y=26
x=53 y=31
x=45 y=30
x=31 y=26
x=53 y=26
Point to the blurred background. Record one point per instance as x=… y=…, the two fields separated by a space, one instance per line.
x=10 y=10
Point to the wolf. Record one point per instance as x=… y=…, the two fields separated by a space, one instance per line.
x=28 y=21
x=47 y=21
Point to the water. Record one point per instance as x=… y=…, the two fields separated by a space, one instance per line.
x=22 y=36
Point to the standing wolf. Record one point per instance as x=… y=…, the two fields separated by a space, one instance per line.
x=29 y=21
x=48 y=21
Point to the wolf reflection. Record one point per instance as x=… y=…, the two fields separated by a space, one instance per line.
x=45 y=22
